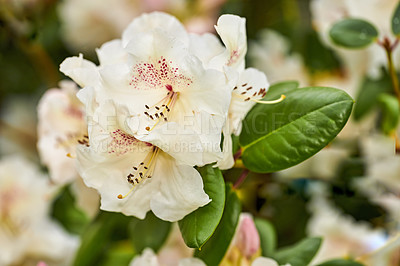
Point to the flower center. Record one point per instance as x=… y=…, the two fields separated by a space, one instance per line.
x=142 y=171
x=70 y=140
x=162 y=109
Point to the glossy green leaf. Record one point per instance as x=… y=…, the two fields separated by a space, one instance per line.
x=96 y=238
x=353 y=33
x=390 y=112
x=267 y=236
x=214 y=250
x=275 y=137
x=341 y=262
x=396 y=21
x=277 y=89
x=198 y=226
x=148 y=233
x=368 y=93
x=299 y=254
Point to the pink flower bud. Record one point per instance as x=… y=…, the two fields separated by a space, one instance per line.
x=247 y=238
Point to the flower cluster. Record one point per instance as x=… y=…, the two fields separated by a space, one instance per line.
x=156 y=106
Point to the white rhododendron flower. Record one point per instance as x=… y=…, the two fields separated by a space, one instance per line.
x=26 y=231
x=378 y=12
x=61 y=128
x=133 y=176
x=271 y=54
x=149 y=258
x=250 y=87
x=342 y=235
x=164 y=88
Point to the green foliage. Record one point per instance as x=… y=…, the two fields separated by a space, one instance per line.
x=353 y=33
x=198 y=226
x=275 y=137
x=368 y=94
x=390 y=112
x=267 y=236
x=67 y=213
x=214 y=250
x=119 y=254
x=299 y=254
x=277 y=89
x=341 y=262
x=97 y=237
x=396 y=21
x=148 y=233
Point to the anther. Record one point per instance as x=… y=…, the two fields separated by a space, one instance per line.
x=147 y=106
x=148 y=128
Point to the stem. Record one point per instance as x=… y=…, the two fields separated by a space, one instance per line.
x=392 y=71
x=241 y=178
x=237 y=154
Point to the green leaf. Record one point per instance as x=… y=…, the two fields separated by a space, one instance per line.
x=390 y=112
x=198 y=226
x=353 y=33
x=340 y=262
x=214 y=250
x=267 y=236
x=299 y=254
x=68 y=214
x=277 y=89
x=368 y=93
x=148 y=233
x=96 y=238
x=275 y=137
x=396 y=21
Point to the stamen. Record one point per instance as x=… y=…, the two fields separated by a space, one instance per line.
x=283 y=97
x=148 y=165
x=260 y=101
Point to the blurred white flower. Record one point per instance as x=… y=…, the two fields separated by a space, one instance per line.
x=342 y=235
x=86 y=24
x=271 y=55
x=149 y=258
x=26 y=231
x=323 y=165
x=379 y=12
x=61 y=127
x=262 y=261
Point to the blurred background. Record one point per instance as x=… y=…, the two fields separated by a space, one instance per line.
x=348 y=193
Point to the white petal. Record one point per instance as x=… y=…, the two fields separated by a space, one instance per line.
x=52 y=242
x=87 y=199
x=250 y=82
x=227 y=160
x=111 y=52
x=148 y=258
x=155 y=20
x=205 y=46
x=180 y=192
x=191 y=262
x=80 y=70
x=108 y=174
x=232 y=30
x=262 y=261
